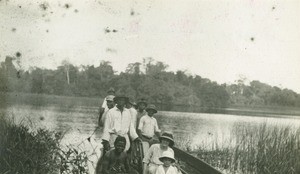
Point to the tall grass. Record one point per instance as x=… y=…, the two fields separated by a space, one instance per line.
x=25 y=151
x=258 y=149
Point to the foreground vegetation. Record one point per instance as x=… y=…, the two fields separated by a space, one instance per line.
x=149 y=79
x=256 y=150
x=23 y=150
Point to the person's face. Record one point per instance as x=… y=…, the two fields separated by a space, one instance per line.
x=121 y=102
x=167 y=162
x=165 y=142
x=120 y=146
x=151 y=112
x=110 y=104
x=142 y=106
x=128 y=105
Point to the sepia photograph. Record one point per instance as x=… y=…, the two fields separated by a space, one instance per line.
x=149 y=87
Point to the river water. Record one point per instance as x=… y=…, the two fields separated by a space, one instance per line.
x=193 y=129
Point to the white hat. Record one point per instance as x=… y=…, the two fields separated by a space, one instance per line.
x=167 y=154
x=110 y=98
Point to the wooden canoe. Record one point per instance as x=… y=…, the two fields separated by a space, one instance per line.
x=193 y=165
x=189 y=163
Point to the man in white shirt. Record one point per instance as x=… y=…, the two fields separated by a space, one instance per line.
x=133 y=112
x=148 y=126
x=142 y=104
x=118 y=123
x=104 y=107
x=110 y=104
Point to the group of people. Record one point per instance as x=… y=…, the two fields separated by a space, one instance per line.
x=125 y=122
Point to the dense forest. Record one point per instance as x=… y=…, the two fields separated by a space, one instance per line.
x=149 y=79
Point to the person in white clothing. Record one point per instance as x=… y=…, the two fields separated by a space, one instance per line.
x=148 y=126
x=142 y=104
x=167 y=167
x=104 y=107
x=133 y=111
x=110 y=104
x=151 y=160
x=118 y=123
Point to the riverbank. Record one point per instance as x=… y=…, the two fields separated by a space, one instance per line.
x=7 y=99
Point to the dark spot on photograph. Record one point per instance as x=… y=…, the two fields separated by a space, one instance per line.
x=13 y=29
x=18 y=54
x=76 y=11
x=106 y=30
x=114 y=30
x=132 y=12
x=252 y=39
x=273 y=8
x=18 y=74
x=67 y=6
x=111 y=50
x=44 y=6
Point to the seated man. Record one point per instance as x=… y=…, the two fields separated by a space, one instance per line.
x=142 y=104
x=168 y=166
x=151 y=160
x=115 y=161
x=148 y=125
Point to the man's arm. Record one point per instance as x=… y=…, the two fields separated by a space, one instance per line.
x=132 y=131
x=156 y=129
x=102 y=108
x=126 y=163
x=101 y=112
x=105 y=164
x=147 y=158
x=141 y=124
x=107 y=127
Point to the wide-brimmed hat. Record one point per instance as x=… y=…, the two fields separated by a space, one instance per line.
x=134 y=103
x=167 y=154
x=110 y=98
x=168 y=136
x=151 y=107
x=142 y=101
x=131 y=101
x=111 y=89
x=117 y=97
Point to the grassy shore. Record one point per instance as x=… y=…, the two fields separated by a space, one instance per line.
x=23 y=150
x=256 y=150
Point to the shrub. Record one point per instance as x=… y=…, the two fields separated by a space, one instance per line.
x=25 y=151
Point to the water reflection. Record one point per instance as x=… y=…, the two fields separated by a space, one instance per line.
x=79 y=123
x=195 y=129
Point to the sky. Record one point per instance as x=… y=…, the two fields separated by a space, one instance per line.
x=222 y=40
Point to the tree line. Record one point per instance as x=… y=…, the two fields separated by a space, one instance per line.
x=148 y=79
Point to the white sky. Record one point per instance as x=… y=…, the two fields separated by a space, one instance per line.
x=206 y=37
